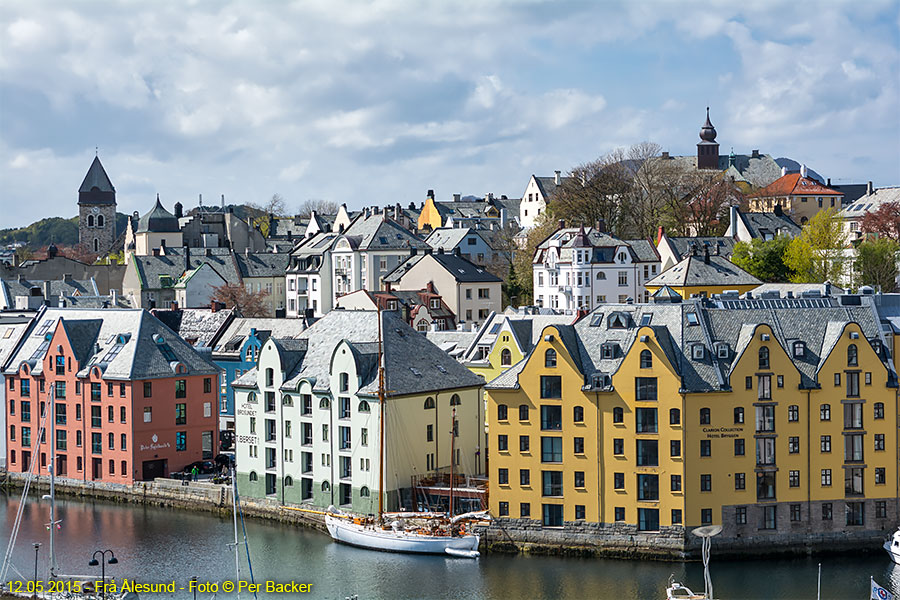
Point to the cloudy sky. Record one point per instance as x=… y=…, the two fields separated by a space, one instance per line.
x=377 y=102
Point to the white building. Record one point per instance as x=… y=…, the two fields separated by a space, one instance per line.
x=852 y=216
x=583 y=269
x=538 y=193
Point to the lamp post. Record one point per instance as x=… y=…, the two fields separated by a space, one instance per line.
x=37 y=547
x=103 y=562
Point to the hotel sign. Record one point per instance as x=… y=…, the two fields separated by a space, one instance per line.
x=723 y=432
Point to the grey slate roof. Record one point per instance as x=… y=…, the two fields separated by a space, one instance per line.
x=158 y=220
x=96 y=177
x=235 y=334
x=461 y=269
x=695 y=270
x=644 y=250
x=197 y=326
x=150 y=268
x=379 y=232
x=58 y=287
x=262 y=264
x=94 y=333
x=765 y=224
x=681 y=246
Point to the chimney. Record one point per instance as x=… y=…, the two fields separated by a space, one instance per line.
x=397 y=211
x=869 y=189
x=828 y=182
x=213 y=306
x=659 y=234
x=456 y=197
x=47 y=284
x=174 y=305
x=556 y=178
x=156 y=252
x=115 y=297
x=428 y=250
x=802 y=170
x=413 y=251
x=665 y=155
x=387 y=286
x=562 y=224
x=601 y=226
x=187 y=257
x=67 y=277
x=440 y=250
x=783 y=171
x=754 y=154
x=827 y=288
x=457 y=252
x=430 y=194
x=706 y=254
x=179 y=210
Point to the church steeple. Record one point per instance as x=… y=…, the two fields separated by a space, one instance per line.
x=96 y=187
x=708 y=148
x=97 y=210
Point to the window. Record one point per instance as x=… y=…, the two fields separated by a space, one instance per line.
x=122 y=414
x=180 y=441
x=825 y=412
x=96 y=418
x=739 y=447
x=504 y=509
x=794 y=479
x=503 y=476
x=552 y=484
x=738 y=415
x=95 y=392
x=579 y=479
x=207 y=385
x=550 y=358
x=523 y=412
x=675 y=448
x=853 y=416
x=674 y=416
x=525 y=510
x=879 y=475
x=793 y=445
x=879 y=442
x=620 y=513
x=123 y=442
x=705 y=448
x=645 y=388
x=837 y=379
x=826 y=478
x=799 y=349
x=505 y=357
x=579 y=445
x=501 y=410
x=524 y=443
x=748 y=382
x=856 y=513
x=110 y=414
x=853 y=481
x=705 y=516
x=825 y=443
x=795 y=512
x=879 y=410
x=618 y=446
x=852 y=356
x=618 y=415
x=148 y=414
x=675 y=483
x=765 y=485
x=553 y=515
x=767 y=520
x=619 y=481
x=648 y=519
x=705 y=483
x=704 y=416
x=502 y=443
x=181 y=388
x=793 y=413
x=646 y=420
x=763 y=357
x=648 y=486
x=551 y=418
x=578 y=414
x=551 y=386
x=880 y=509
x=740 y=481
x=827 y=513
x=740 y=515
x=647 y=453
x=764 y=391
x=646 y=359
x=551 y=449
x=868 y=378
x=180 y=414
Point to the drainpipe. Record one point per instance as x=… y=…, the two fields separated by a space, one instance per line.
x=809 y=447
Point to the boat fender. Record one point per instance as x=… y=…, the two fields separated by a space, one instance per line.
x=396 y=526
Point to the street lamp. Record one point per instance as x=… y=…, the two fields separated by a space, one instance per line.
x=37 y=547
x=103 y=562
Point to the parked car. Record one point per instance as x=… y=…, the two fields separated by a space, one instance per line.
x=204 y=467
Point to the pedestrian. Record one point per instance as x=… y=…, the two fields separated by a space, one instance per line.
x=194 y=473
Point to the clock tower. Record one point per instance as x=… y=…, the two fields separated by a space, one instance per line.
x=97 y=210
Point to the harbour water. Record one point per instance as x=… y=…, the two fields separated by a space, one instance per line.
x=156 y=545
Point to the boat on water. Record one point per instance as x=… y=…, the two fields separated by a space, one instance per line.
x=892 y=546
x=676 y=591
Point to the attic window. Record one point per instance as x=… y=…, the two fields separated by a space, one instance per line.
x=764 y=337
x=382 y=239
x=617 y=320
x=799 y=349
x=167 y=352
x=495 y=328
x=646 y=318
x=697 y=351
x=608 y=350
x=597 y=320
x=44 y=327
x=722 y=351
x=415 y=371
x=854 y=335
x=441 y=368
x=876 y=346
x=692 y=318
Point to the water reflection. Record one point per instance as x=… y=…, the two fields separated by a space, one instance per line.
x=157 y=544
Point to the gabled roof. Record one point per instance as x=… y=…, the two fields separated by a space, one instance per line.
x=151 y=269
x=96 y=177
x=764 y=224
x=238 y=330
x=794 y=184
x=548 y=186
x=698 y=271
x=458 y=267
x=379 y=232
x=197 y=326
x=262 y=264
x=681 y=246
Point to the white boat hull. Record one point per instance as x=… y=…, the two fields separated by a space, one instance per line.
x=892 y=546
x=365 y=536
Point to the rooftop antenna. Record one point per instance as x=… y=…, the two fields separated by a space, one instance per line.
x=96 y=151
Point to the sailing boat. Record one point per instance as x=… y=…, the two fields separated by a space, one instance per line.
x=422 y=533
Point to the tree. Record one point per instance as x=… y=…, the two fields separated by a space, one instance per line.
x=522 y=266
x=592 y=192
x=700 y=206
x=322 y=207
x=876 y=263
x=236 y=296
x=817 y=254
x=262 y=213
x=764 y=259
x=884 y=222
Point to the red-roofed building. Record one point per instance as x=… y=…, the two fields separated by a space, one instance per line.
x=799 y=196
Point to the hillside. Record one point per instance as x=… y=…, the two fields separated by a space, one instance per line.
x=53 y=229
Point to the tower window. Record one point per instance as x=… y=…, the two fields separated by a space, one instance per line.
x=90 y=220
x=100 y=221
x=96 y=245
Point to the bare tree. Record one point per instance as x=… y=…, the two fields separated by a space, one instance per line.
x=248 y=304
x=322 y=207
x=593 y=191
x=700 y=208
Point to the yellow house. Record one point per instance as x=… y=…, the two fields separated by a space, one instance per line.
x=774 y=418
x=704 y=274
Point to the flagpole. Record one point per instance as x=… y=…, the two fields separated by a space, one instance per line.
x=819 y=584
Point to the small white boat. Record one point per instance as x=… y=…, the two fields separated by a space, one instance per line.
x=676 y=591
x=892 y=545
x=397 y=539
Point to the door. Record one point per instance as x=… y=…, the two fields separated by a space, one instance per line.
x=151 y=469
x=207 y=440
x=270 y=484
x=96 y=468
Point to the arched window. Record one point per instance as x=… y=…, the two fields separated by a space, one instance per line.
x=646 y=359
x=454 y=400
x=429 y=402
x=270 y=376
x=364 y=407
x=704 y=416
x=254 y=476
x=601 y=275
x=505 y=357
x=326 y=487
x=288 y=481
x=738 y=415
x=251 y=397
x=674 y=416
x=618 y=415
x=879 y=410
x=852 y=356
x=96 y=245
x=90 y=220
x=523 y=412
x=550 y=358
x=324 y=403
x=100 y=221
x=364 y=492
x=764 y=357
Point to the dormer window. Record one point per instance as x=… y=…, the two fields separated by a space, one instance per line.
x=722 y=351
x=799 y=349
x=692 y=318
x=392 y=305
x=617 y=320
x=608 y=350
x=435 y=303
x=697 y=351
x=876 y=346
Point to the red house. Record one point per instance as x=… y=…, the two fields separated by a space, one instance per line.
x=133 y=401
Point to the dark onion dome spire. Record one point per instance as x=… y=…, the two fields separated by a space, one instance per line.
x=708 y=132
x=158 y=220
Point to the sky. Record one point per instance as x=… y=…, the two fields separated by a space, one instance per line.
x=377 y=102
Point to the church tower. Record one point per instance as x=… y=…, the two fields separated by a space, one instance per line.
x=708 y=148
x=97 y=210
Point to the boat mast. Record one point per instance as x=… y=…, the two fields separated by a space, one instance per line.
x=452 y=456
x=380 y=421
x=51 y=415
x=237 y=560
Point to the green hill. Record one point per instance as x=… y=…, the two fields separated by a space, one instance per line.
x=53 y=229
